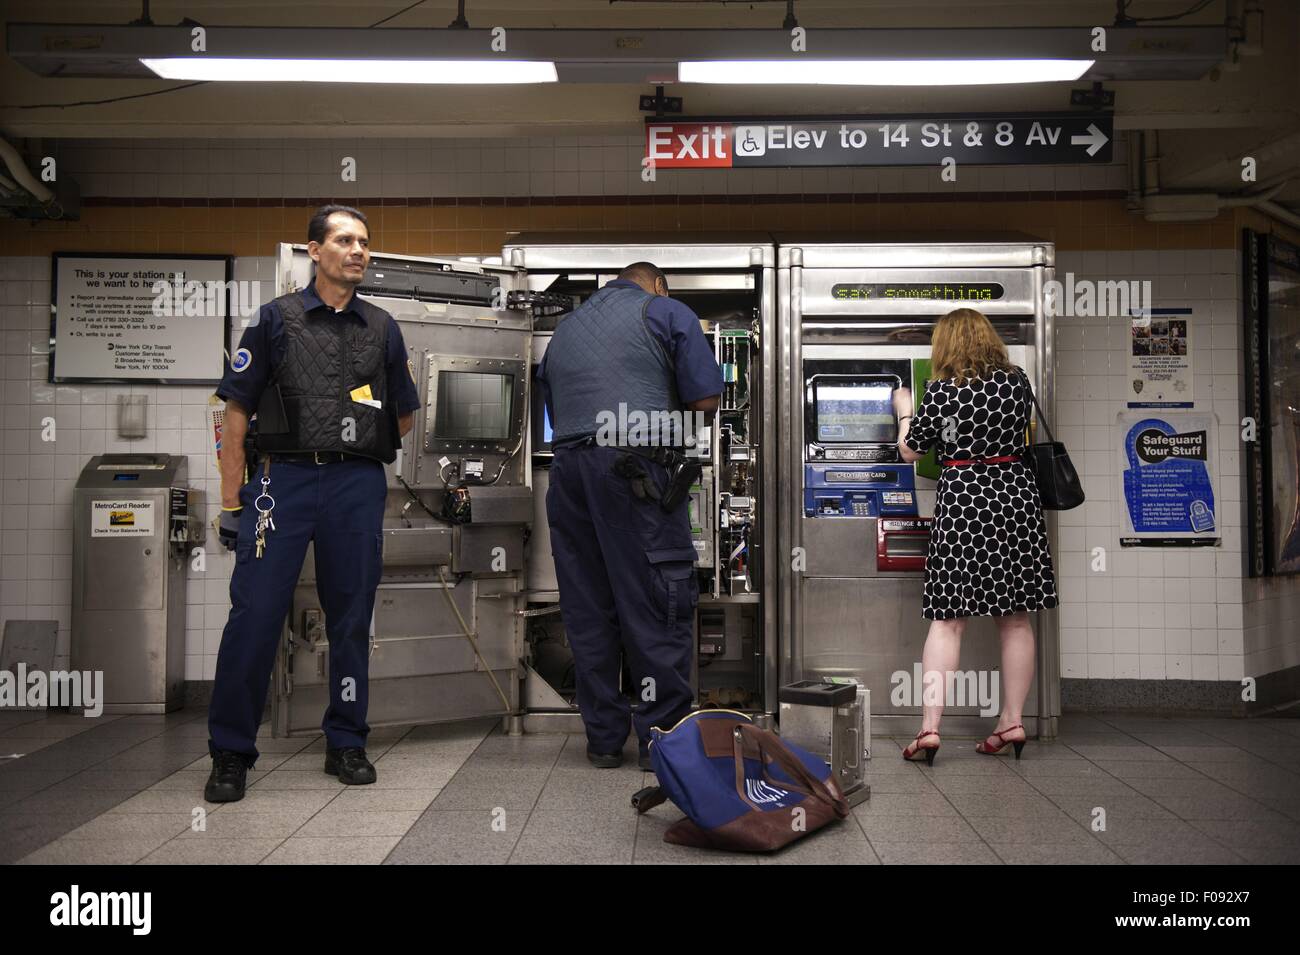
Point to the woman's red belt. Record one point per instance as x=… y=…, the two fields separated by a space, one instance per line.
x=1002 y=459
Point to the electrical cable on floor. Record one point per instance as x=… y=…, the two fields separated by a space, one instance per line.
x=469 y=634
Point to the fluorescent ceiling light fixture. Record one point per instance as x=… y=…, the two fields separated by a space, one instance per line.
x=265 y=70
x=882 y=72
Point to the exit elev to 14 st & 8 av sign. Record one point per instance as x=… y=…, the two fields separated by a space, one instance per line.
x=882 y=141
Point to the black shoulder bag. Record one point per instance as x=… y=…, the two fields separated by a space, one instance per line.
x=1058 y=483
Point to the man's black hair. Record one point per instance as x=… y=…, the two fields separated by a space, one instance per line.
x=643 y=272
x=318 y=228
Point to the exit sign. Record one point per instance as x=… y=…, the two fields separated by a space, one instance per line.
x=988 y=140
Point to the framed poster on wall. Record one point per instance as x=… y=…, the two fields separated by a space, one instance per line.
x=1271 y=334
x=1160 y=359
x=149 y=318
x=1169 y=475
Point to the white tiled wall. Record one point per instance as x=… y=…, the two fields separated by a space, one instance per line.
x=1160 y=613
x=39 y=476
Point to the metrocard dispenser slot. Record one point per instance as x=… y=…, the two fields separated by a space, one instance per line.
x=901 y=543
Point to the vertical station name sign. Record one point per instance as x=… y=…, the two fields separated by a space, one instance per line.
x=986 y=140
x=161 y=319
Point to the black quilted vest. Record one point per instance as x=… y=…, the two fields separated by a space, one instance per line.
x=307 y=405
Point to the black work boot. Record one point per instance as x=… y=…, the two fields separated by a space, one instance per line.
x=605 y=760
x=350 y=765
x=228 y=779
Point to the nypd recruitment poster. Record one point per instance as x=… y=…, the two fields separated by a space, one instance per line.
x=1169 y=463
x=1160 y=359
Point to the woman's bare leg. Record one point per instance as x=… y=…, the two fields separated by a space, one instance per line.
x=1017 y=670
x=940 y=656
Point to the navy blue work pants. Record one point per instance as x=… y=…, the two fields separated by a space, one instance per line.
x=339 y=506
x=626 y=572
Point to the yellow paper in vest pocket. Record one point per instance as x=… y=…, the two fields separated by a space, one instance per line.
x=362 y=394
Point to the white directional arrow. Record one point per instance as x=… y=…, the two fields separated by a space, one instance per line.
x=1096 y=138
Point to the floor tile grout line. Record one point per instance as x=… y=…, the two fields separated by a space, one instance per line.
x=444 y=786
x=960 y=815
x=1153 y=798
x=1067 y=815
x=115 y=718
x=515 y=848
x=1193 y=768
x=306 y=742
x=324 y=805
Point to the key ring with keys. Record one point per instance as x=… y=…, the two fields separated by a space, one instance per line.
x=266 y=481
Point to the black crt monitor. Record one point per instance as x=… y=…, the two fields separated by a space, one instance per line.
x=475 y=404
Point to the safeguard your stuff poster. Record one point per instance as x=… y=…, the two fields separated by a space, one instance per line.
x=1169 y=470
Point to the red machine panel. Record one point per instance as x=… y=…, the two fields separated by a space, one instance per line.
x=901 y=542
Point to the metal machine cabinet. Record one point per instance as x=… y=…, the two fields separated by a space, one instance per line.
x=133 y=521
x=855 y=323
x=447 y=634
x=828 y=721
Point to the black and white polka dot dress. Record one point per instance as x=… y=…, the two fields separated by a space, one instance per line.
x=988 y=553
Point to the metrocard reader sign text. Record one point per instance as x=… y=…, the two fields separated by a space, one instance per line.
x=884 y=141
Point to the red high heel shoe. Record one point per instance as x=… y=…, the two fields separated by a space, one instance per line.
x=1017 y=744
x=915 y=747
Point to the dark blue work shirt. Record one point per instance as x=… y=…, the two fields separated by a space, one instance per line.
x=678 y=329
x=261 y=349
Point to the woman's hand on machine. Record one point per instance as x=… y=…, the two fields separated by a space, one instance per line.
x=902 y=399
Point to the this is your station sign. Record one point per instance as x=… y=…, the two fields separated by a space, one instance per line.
x=880 y=141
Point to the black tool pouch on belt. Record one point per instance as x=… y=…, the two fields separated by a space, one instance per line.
x=682 y=474
x=680 y=479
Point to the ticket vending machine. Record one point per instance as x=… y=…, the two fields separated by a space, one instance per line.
x=856 y=322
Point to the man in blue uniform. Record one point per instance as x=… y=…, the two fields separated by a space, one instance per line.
x=623 y=554
x=327 y=376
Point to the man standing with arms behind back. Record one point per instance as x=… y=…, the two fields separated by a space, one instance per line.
x=327 y=375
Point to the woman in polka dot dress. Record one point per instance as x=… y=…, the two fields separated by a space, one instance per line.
x=988 y=553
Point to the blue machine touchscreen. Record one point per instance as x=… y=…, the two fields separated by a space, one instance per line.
x=858 y=413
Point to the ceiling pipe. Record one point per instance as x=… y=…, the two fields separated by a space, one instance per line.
x=1281 y=213
x=18 y=169
x=1158 y=206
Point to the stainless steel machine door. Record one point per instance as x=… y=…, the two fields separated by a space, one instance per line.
x=842 y=615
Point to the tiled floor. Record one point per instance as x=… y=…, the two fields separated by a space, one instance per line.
x=128 y=790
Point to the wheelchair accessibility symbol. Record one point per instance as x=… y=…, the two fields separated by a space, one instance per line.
x=751 y=140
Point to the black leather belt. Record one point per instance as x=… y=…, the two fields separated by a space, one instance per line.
x=312 y=457
x=668 y=457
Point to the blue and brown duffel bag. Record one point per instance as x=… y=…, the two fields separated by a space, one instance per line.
x=741 y=787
